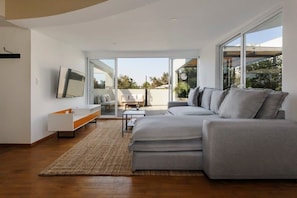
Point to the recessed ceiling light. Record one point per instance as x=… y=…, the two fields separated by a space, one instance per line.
x=173 y=19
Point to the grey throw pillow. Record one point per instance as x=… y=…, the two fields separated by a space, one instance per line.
x=206 y=96
x=242 y=103
x=193 y=96
x=271 y=105
x=103 y=99
x=216 y=100
x=107 y=97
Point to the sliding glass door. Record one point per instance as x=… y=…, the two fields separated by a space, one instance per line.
x=158 y=80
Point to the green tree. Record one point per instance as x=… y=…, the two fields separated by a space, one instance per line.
x=265 y=73
x=146 y=85
x=125 y=82
x=182 y=89
x=163 y=80
x=183 y=86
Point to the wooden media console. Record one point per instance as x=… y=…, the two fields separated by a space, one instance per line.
x=72 y=119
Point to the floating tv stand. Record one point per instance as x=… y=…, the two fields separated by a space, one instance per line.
x=73 y=118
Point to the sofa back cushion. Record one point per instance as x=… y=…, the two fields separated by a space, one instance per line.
x=242 y=103
x=193 y=96
x=271 y=105
x=206 y=97
x=217 y=97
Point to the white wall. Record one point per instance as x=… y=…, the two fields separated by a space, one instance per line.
x=15 y=86
x=28 y=85
x=47 y=55
x=290 y=61
x=207 y=67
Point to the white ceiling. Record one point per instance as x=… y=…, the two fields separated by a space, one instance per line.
x=149 y=25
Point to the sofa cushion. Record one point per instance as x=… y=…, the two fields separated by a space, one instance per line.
x=194 y=144
x=193 y=96
x=206 y=97
x=162 y=127
x=271 y=105
x=242 y=103
x=216 y=99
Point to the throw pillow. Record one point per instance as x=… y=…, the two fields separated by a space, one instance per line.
x=200 y=97
x=242 y=103
x=103 y=99
x=206 y=96
x=271 y=105
x=216 y=100
x=107 y=97
x=193 y=97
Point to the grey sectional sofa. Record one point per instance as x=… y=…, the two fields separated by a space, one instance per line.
x=235 y=134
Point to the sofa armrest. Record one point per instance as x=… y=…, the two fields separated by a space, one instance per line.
x=250 y=149
x=177 y=103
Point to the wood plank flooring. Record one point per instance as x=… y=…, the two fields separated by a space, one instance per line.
x=20 y=165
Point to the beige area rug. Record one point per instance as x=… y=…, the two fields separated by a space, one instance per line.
x=103 y=152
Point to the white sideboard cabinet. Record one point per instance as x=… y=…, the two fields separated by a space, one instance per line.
x=73 y=118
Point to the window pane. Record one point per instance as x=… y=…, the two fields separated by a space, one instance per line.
x=103 y=85
x=231 y=63
x=264 y=55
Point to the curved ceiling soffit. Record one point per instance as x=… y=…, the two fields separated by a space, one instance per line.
x=16 y=9
x=95 y=12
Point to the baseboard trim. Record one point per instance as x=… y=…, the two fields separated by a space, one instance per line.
x=43 y=139
x=29 y=145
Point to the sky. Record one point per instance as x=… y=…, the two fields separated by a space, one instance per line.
x=139 y=68
x=260 y=36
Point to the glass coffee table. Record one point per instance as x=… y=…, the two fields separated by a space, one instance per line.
x=129 y=118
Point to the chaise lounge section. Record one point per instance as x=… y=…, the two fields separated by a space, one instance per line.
x=240 y=134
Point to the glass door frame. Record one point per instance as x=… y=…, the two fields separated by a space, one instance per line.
x=90 y=85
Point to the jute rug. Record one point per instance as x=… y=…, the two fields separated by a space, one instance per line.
x=103 y=152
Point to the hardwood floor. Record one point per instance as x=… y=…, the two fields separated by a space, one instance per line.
x=20 y=165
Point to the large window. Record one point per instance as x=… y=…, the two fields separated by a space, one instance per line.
x=231 y=63
x=258 y=62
